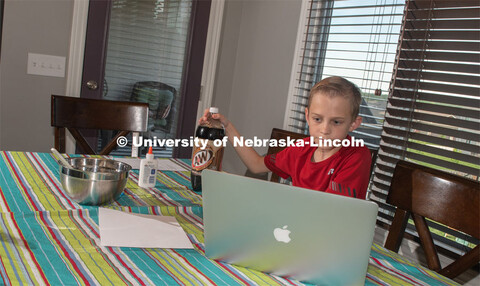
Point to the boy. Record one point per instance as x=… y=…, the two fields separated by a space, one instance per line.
x=332 y=112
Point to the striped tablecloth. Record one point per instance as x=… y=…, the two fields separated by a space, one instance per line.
x=31 y=182
x=46 y=239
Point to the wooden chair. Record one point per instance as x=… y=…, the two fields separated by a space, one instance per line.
x=80 y=113
x=283 y=134
x=445 y=198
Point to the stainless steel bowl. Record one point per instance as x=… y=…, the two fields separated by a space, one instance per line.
x=94 y=181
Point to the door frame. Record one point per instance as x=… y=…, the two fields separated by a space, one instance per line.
x=77 y=50
x=75 y=58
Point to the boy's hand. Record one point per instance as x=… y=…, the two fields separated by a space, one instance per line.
x=248 y=155
x=217 y=116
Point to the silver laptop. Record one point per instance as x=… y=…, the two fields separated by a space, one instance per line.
x=307 y=235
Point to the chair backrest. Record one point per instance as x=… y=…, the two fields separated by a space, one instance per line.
x=80 y=113
x=439 y=196
x=160 y=97
x=374 y=154
x=283 y=134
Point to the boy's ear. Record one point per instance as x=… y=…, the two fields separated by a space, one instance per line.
x=355 y=124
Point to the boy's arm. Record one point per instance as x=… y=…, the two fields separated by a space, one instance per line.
x=248 y=155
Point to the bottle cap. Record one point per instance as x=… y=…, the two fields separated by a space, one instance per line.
x=213 y=110
x=150 y=153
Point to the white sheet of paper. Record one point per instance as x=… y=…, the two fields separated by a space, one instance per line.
x=124 y=229
x=162 y=164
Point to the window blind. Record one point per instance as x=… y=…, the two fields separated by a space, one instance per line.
x=147 y=43
x=433 y=112
x=356 y=40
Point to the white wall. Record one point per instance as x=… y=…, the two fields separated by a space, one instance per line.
x=41 y=27
x=254 y=66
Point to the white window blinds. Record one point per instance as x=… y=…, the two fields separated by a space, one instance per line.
x=433 y=111
x=147 y=45
x=147 y=41
x=356 y=40
x=429 y=76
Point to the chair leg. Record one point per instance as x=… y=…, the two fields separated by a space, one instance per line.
x=427 y=242
x=113 y=143
x=60 y=139
x=81 y=141
x=134 y=148
x=462 y=264
x=396 y=230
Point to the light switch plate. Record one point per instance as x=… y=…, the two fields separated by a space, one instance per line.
x=46 y=65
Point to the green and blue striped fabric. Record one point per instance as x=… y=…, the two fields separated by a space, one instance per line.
x=63 y=248
x=48 y=239
x=31 y=182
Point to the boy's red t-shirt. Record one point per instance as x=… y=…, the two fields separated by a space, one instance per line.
x=346 y=172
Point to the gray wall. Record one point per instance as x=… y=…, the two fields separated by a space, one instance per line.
x=41 y=27
x=254 y=67
x=256 y=53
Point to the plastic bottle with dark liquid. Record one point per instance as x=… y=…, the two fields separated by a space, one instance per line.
x=211 y=156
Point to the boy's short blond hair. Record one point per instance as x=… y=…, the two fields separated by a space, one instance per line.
x=334 y=86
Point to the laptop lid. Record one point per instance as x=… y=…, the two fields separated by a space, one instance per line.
x=308 y=235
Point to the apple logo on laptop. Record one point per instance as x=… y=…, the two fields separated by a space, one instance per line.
x=282 y=234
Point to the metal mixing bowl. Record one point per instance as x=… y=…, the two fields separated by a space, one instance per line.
x=94 y=181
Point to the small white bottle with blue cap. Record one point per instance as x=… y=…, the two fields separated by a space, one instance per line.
x=148 y=171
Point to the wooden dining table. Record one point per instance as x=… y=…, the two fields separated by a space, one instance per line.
x=48 y=239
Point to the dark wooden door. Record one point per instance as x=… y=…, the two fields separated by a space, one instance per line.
x=112 y=73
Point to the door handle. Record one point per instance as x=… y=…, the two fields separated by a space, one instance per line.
x=93 y=85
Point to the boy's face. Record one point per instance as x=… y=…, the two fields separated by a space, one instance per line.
x=330 y=117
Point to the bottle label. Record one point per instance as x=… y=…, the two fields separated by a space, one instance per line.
x=210 y=157
x=150 y=175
